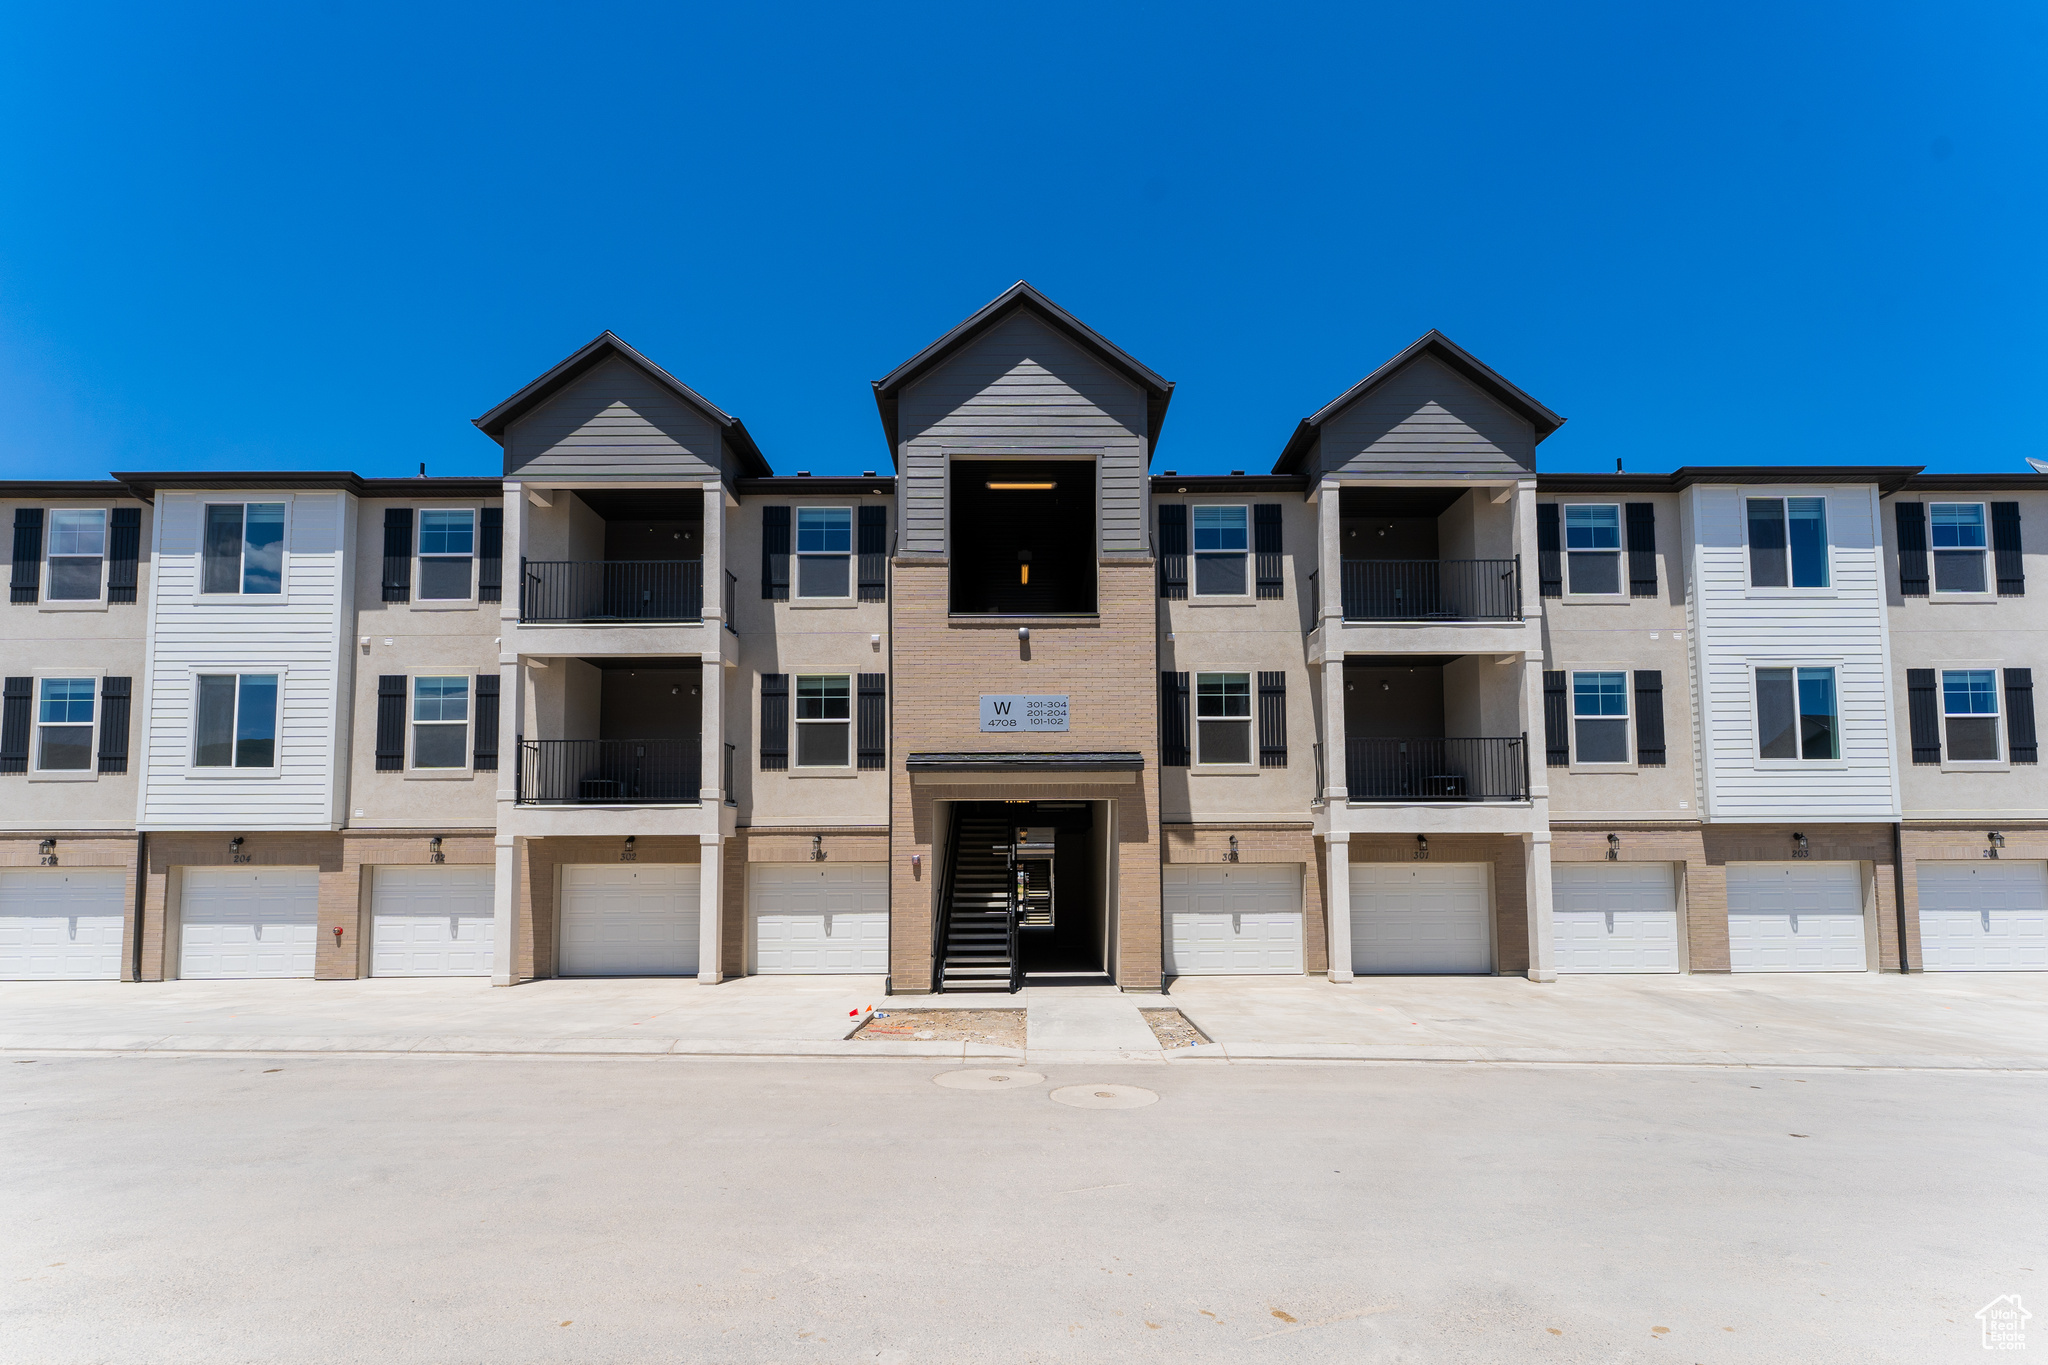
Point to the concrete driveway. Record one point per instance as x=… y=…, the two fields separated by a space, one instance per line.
x=1989 y=1021
x=169 y=1209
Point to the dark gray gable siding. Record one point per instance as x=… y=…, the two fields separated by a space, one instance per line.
x=1022 y=389
x=1427 y=421
x=614 y=423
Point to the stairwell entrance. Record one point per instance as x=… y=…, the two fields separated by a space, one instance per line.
x=1025 y=896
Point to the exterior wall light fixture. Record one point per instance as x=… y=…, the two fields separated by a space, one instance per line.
x=1614 y=848
x=48 y=849
x=1233 y=848
x=628 y=853
x=434 y=853
x=1422 y=848
x=1997 y=841
x=1799 y=849
x=817 y=848
x=235 y=854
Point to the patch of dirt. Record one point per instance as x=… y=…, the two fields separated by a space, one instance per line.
x=1172 y=1029
x=998 y=1028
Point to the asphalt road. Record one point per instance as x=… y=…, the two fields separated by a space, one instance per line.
x=166 y=1209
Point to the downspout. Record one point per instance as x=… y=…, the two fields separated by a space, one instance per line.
x=141 y=898
x=1899 y=889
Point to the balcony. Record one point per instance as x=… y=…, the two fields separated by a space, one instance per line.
x=587 y=591
x=609 y=772
x=1437 y=769
x=1432 y=589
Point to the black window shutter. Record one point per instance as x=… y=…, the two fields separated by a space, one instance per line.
x=1549 y=562
x=1923 y=712
x=486 y=745
x=1642 y=550
x=775 y=716
x=15 y=701
x=490 y=556
x=2019 y=716
x=391 y=723
x=1272 y=720
x=1557 y=721
x=874 y=752
x=28 y=558
x=397 y=560
x=775 y=556
x=1911 y=518
x=124 y=551
x=874 y=553
x=1266 y=549
x=1649 y=717
x=114 y=697
x=1173 y=549
x=1173 y=719
x=2005 y=549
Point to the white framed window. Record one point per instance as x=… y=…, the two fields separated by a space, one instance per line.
x=447 y=554
x=440 y=723
x=824 y=720
x=1798 y=715
x=1600 y=718
x=242 y=548
x=234 y=721
x=1592 y=549
x=1788 y=542
x=75 y=555
x=1223 y=718
x=1969 y=715
x=67 y=723
x=1222 y=536
x=824 y=552
x=1956 y=535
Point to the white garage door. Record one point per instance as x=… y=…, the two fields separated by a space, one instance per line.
x=431 y=921
x=819 y=917
x=1795 y=917
x=629 y=919
x=61 y=923
x=1614 y=917
x=1239 y=920
x=1984 y=916
x=248 y=922
x=1420 y=918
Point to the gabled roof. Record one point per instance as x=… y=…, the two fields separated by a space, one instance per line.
x=1440 y=347
x=606 y=347
x=1158 y=391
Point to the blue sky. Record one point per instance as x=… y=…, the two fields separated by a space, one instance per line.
x=325 y=236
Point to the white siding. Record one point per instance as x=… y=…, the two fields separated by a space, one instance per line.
x=1735 y=629
x=302 y=633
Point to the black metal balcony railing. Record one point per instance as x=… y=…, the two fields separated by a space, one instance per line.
x=1432 y=590
x=732 y=600
x=1437 y=769
x=608 y=772
x=640 y=590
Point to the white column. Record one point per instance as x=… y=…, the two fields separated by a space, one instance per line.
x=714 y=550
x=1337 y=901
x=710 y=900
x=510 y=852
x=1542 y=961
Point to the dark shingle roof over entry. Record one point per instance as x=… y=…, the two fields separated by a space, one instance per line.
x=1158 y=391
x=605 y=347
x=1440 y=347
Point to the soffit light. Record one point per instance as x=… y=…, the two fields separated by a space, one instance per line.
x=1022 y=487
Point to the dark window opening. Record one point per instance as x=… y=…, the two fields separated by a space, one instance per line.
x=1025 y=547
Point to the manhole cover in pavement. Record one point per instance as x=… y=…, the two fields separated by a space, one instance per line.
x=987 y=1080
x=1105 y=1096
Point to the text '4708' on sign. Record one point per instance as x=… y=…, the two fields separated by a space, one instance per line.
x=1023 y=713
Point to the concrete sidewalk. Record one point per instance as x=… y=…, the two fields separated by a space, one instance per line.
x=1959 y=1022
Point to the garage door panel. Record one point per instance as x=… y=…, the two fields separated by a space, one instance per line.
x=61 y=924
x=632 y=919
x=1984 y=916
x=1420 y=919
x=1796 y=917
x=1239 y=920
x=1614 y=917
x=810 y=918
x=243 y=922
x=431 y=921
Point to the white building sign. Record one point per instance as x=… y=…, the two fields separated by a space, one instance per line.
x=1023 y=713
